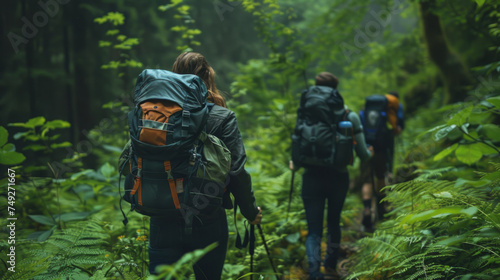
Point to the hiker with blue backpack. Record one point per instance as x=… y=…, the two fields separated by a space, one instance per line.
x=185 y=157
x=325 y=135
x=382 y=120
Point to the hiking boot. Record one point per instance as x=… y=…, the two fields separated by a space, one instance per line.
x=331 y=274
x=367 y=220
x=317 y=276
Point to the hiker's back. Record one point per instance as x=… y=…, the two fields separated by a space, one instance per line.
x=318 y=139
x=178 y=168
x=375 y=118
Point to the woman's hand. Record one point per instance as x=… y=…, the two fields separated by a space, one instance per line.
x=258 y=218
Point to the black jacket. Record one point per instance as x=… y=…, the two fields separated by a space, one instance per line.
x=222 y=123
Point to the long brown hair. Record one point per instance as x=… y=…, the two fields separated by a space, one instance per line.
x=195 y=63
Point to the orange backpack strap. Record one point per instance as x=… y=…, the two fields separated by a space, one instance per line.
x=171 y=183
x=138 y=181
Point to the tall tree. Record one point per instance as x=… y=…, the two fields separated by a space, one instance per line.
x=454 y=74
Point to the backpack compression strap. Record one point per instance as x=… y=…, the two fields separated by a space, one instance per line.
x=171 y=183
x=138 y=181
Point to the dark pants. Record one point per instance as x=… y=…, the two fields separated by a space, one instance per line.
x=169 y=242
x=318 y=186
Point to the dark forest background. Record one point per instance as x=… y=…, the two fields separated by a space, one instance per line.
x=67 y=75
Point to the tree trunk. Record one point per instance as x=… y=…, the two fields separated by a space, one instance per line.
x=81 y=62
x=70 y=93
x=455 y=75
x=30 y=81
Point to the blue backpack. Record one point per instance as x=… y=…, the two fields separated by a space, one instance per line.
x=175 y=168
x=374 y=120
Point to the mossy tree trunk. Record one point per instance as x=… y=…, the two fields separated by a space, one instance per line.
x=455 y=75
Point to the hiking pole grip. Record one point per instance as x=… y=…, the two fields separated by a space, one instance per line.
x=290 y=195
x=267 y=250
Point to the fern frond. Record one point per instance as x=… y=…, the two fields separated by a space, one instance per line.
x=74 y=251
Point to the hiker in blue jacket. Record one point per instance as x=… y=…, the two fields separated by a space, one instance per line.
x=168 y=241
x=321 y=185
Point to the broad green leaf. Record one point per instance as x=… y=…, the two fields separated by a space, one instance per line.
x=11 y=158
x=112 y=149
x=443 y=132
x=18 y=135
x=480 y=3
x=445 y=152
x=107 y=170
x=426 y=215
x=479 y=117
x=495 y=101
x=492 y=176
x=460 y=182
x=293 y=238
x=112 y=32
x=57 y=124
x=491 y=131
x=116 y=18
x=76 y=176
x=34 y=147
x=468 y=154
x=34 y=122
x=74 y=216
x=464 y=127
x=9 y=148
x=480 y=183
x=431 y=130
x=43 y=219
x=471 y=136
x=4 y=135
x=121 y=37
x=485 y=149
x=461 y=117
x=451 y=241
x=471 y=211
x=44 y=236
x=444 y=194
x=489 y=232
x=60 y=145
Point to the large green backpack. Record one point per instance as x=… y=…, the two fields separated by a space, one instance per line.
x=176 y=168
x=318 y=139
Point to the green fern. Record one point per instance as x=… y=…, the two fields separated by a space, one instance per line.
x=440 y=229
x=74 y=252
x=27 y=268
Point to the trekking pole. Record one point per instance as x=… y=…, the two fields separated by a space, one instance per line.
x=251 y=248
x=267 y=250
x=374 y=196
x=290 y=195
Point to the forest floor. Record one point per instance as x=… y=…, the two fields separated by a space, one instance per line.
x=350 y=234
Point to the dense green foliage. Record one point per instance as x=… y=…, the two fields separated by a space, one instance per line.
x=444 y=223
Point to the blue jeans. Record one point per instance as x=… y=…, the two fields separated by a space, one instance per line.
x=168 y=243
x=318 y=186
